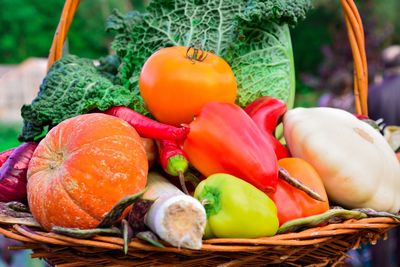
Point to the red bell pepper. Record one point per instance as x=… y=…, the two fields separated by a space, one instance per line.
x=224 y=139
x=293 y=203
x=267 y=113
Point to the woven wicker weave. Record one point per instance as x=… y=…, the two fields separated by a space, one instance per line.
x=320 y=246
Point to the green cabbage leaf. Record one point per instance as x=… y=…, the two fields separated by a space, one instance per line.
x=252 y=35
x=73 y=86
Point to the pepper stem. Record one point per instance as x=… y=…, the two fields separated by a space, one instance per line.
x=205 y=201
x=284 y=175
x=182 y=181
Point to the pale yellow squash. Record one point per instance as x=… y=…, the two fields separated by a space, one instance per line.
x=358 y=167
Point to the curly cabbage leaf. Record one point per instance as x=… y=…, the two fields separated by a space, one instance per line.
x=263 y=64
x=108 y=67
x=252 y=35
x=73 y=86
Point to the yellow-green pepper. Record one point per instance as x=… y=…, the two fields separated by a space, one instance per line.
x=235 y=208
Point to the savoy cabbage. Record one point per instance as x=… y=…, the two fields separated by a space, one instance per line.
x=252 y=35
x=73 y=86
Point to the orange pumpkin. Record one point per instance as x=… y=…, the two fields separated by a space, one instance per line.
x=83 y=167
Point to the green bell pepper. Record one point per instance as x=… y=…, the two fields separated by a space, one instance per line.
x=235 y=208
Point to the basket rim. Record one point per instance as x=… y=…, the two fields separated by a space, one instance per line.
x=317 y=246
x=307 y=237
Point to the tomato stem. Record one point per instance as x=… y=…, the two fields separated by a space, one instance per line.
x=195 y=56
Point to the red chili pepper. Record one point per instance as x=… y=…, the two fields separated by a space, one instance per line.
x=5 y=154
x=224 y=139
x=173 y=160
x=267 y=113
x=147 y=127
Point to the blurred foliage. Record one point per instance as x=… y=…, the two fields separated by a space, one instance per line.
x=321 y=43
x=306 y=96
x=321 y=46
x=27 y=27
x=8 y=135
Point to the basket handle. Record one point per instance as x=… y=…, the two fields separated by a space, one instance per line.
x=60 y=35
x=355 y=32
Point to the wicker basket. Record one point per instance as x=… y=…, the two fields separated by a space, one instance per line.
x=321 y=246
x=318 y=246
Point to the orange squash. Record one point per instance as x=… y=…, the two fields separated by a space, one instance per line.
x=83 y=167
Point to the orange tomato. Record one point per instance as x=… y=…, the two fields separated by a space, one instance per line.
x=175 y=83
x=293 y=203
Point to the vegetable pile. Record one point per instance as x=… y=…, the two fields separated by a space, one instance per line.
x=173 y=138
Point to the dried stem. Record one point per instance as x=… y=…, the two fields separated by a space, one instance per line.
x=284 y=175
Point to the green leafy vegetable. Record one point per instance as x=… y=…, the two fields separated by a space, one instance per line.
x=109 y=67
x=73 y=86
x=280 y=11
x=252 y=35
x=263 y=64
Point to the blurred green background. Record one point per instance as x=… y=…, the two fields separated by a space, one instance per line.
x=8 y=135
x=27 y=27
